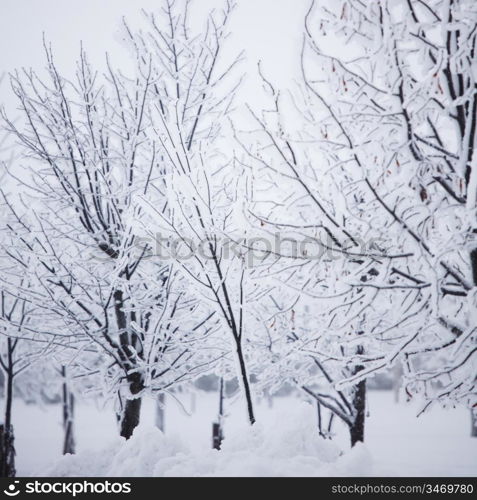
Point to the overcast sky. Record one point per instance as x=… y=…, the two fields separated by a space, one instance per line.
x=270 y=30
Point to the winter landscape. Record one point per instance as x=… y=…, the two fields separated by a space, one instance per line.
x=238 y=238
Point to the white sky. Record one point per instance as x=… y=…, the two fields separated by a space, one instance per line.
x=270 y=30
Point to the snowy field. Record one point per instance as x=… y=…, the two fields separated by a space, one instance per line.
x=435 y=444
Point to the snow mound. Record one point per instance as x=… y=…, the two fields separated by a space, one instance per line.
x=288 y=445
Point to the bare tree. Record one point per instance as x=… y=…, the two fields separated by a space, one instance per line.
x=18 y=352
x=405 y=122
x=189 y=103
x=89 y=159
x=339 y=151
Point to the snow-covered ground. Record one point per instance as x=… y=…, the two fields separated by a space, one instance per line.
x=435 y=444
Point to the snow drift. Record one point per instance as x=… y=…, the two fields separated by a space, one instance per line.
x=289 y=445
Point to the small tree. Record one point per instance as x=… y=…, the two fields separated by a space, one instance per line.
x=189 y=104
x=375 y=158
x=20 y=348
x=402 y=118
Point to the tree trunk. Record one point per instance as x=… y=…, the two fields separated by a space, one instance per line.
x=330 y=425
x=245 y=382
x=326 y=434
x=217 y=431
x=130 y=417
x=69 y=445
x=473 y=411
x=318 y=414
x=131 y=410
x=217 y=435
x=359 y=405
x=7 y=452
x=7 y=439
x=160 y=412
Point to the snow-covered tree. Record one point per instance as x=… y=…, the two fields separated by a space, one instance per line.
x=200 y=227
x=21 y=347
x=372 y=190
x=401 y=105
x=88 y=161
